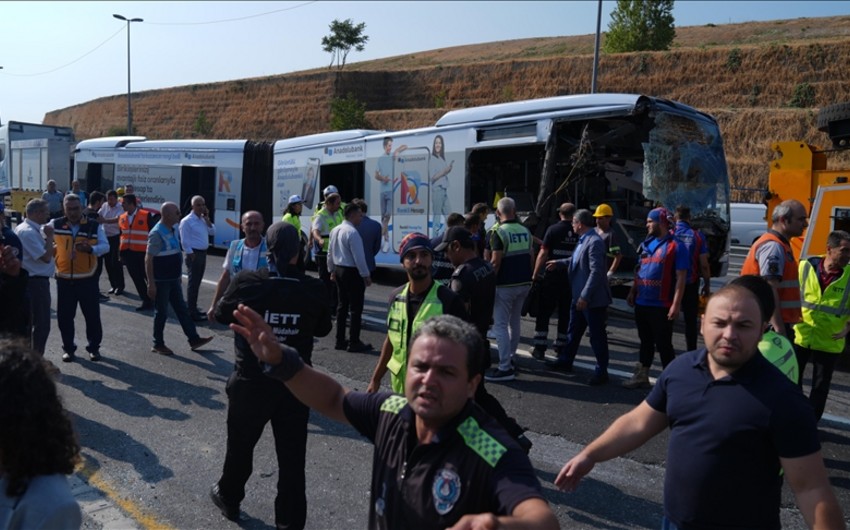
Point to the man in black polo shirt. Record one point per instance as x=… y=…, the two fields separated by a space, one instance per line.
x=439 y=460
x=735 y=422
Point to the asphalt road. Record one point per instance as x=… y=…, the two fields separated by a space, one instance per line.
x=153 y=428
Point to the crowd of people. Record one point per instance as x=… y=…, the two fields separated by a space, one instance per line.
x=736 y=421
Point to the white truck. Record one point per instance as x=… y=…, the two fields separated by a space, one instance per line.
x=30 y=155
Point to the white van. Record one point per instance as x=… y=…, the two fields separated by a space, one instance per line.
x=748 y=222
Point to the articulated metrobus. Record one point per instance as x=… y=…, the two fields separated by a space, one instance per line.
x=632 y=152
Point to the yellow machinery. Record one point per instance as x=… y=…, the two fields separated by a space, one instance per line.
x=800 y=172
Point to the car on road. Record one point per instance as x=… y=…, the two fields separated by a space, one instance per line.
x=748 y=222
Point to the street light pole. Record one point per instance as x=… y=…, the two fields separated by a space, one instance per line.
x=129 y=102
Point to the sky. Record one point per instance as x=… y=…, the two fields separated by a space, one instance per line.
x=59 y=54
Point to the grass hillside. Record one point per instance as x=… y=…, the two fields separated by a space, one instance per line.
x=763 y=81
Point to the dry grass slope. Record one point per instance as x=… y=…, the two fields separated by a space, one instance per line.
x=746 y=75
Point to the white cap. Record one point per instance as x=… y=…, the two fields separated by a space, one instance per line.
x=330 y=189
x=295 y=199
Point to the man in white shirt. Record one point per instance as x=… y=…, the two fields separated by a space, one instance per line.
x=109 y=213
x=195 y=231
x=37 y=239
x=249 y=254
x=347 y=267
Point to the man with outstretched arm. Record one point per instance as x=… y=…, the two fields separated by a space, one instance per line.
x=735 y=422
x=460 y=469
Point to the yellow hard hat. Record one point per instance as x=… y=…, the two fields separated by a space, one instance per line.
x=603 y=210
x=120 y=191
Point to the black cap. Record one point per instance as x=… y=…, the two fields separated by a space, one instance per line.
x=455 y=233
x=282 y=240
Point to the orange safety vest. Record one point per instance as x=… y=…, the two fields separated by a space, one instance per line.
x=72 y=264
x=790 y=305
x=134 y=237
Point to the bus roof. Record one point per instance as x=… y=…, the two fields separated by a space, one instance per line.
x=323 y=138
x=502 y=111
x=141 y=142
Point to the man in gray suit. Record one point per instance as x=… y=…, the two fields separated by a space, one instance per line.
x=591 y=298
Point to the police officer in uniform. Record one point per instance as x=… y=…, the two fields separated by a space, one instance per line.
x=325 y=220
x=296 y=308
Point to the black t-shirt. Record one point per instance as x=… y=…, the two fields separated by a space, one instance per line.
x=294 y=305
x=560 y=240
x=472 y=467
x=475 y=283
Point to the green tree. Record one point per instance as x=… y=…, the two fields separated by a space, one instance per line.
x=348 y=113
x=344 y=36
x=638 y=25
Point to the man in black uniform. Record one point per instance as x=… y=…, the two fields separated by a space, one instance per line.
x=558 y=243
x=297 y=309
x=439 y=460
x=474 y=279
x=442 y=269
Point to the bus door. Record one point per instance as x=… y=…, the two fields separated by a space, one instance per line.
x=197 y=181
x=347 y=177
x=411 y=194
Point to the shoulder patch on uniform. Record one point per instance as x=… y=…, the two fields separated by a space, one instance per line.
x=477 y=439
x=393 y=404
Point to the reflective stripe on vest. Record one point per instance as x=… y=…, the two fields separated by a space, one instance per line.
x=236 y=250
x=779 y=351
x=397 y=331
x=515 y=268
x=134 y=237
x=70 y=263
x=824 y=313
x=789 y=285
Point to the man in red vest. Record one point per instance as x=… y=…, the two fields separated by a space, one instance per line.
x=772 y=258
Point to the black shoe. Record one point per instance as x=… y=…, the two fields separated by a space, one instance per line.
x=560 y=366
x=539 y=353
x=359 y=347
x=524 y=442
x=496 y=375
x=111 y=290
x=103 y=298
x=68 y=357
x=199 y=342
x=145 y=307
x=119 y=291
x=199 y=317
x=341 y=345
x=230 y=512
x=94 y=356
x=598 y=379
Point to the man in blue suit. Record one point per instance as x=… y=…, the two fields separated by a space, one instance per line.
x=591 y=298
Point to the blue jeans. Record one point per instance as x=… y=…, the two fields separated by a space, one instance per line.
x=171 y=292
x=595 y=319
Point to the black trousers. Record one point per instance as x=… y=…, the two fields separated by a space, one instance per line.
x=113 y=264
x=690 y=312
x=823 y=366
x=69 y=294
x=253 y=402
x=555 y=295
x=135 y=263
x=196 y=264
x=351 y=289
x=325 y=276
x=655 y=331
